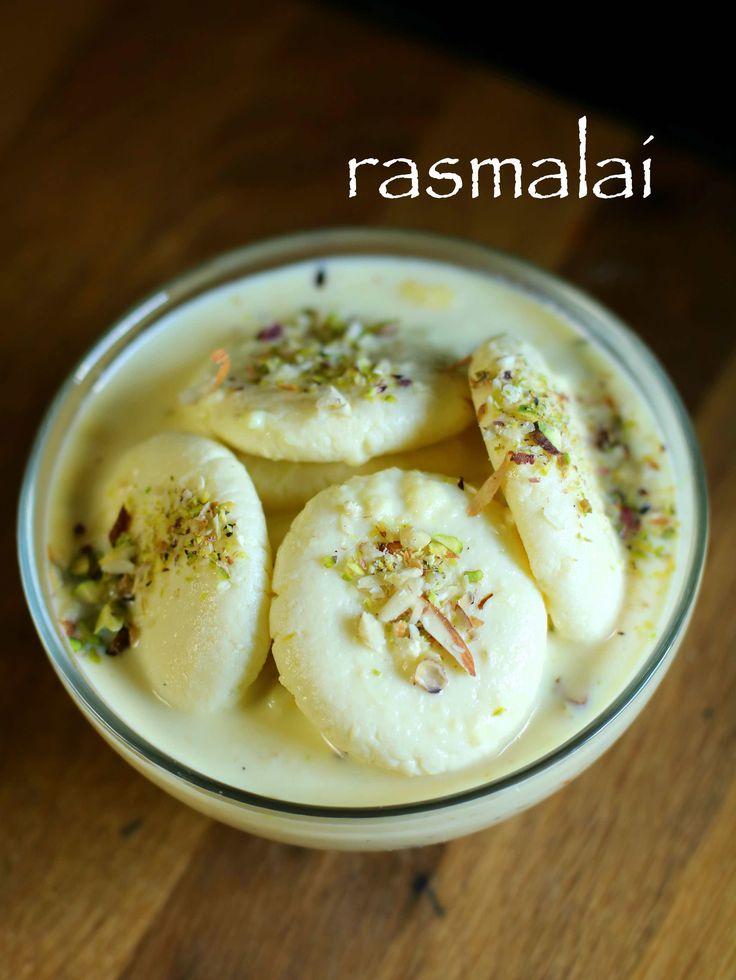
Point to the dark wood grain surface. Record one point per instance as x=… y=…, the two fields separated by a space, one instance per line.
x=137 y=139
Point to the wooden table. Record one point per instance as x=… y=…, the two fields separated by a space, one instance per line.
x=137 y=139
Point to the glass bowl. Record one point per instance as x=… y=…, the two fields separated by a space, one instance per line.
x=391 y=826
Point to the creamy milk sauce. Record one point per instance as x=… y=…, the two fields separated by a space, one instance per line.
x=265 y=745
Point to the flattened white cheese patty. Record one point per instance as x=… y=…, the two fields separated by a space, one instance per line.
x=321 y=389
x=202 y=566
x=369 y=572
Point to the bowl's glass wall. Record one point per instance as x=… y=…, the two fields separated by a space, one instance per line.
x=382 y=826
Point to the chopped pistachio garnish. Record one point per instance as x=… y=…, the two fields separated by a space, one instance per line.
x=525 y=421
x=175 y=526
x=179 y=525
x=584 y=505
x=89 y=591
x=475 y=575
x=108 y=620
x=81 y=565
x=638 y=504
x=530 y=422
x=449 y=541
x=521 y=393
x=313 y=351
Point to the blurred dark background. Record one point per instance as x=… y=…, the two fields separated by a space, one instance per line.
x=670 y=72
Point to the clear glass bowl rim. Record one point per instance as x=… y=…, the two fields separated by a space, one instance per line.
x=316 y=244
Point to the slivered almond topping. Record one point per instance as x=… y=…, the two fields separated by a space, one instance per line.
x=441 y=629
x=399 y=602
x=431 y=675
x=411 y=571
x=469 y=622
x=415 y=612
x=466 y=620
x=369 y=583
x=370 y=632
x=466 y=602
x=489 y=489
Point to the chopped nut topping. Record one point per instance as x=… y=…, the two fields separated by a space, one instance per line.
x=121 y=525
x=413 y=539
x=398 y=603
x=540 y=436
x=489 y=489
x=464 y=615
x=522 y=458
x=312 y=351
x=627 y=475
x=413 y=591
x=431 y=675
x=332 y=400
x=441 y=629
x=450 y=542
x=171 y=526
x=371 y=632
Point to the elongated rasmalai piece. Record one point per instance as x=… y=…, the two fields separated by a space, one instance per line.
x=530 y=428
